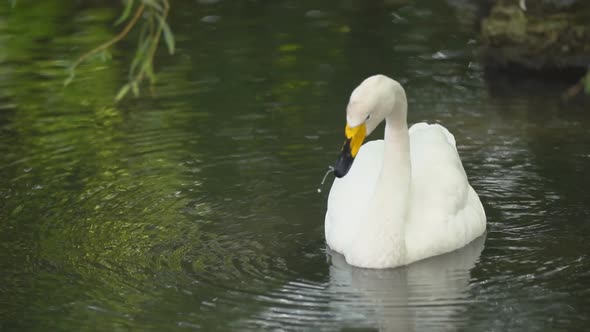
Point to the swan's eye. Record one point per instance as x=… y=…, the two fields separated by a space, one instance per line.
x=368 y=117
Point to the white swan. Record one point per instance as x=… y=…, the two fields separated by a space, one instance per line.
x=405 y=197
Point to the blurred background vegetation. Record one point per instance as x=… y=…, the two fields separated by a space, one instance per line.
x=549 y=38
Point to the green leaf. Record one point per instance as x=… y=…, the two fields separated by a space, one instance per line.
x=149 y=70
x=134 y=65
x=13 y=3
x=140 y=55
x=70 y=77
x=126 y=12
x=587 y=83
x=105 y=55
x=122 y=92
x=168 y=36
x=153 y=4
x=135 y=88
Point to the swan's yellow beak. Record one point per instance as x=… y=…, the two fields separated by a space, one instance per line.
x=354 y=139
x=356 y=136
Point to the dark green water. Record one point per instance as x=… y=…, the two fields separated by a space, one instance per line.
x=196 y=208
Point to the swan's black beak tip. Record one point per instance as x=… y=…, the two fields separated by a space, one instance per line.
x=344 y=161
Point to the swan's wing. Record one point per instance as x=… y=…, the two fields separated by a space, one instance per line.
x=350 y=195
x=445 y=212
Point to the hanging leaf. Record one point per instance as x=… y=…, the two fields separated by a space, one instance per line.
x=105 y=55
x=135 y=88
x=126 y=11
x=122 y=92
x=153 y=4
x=168 y=36
x=149 y=70
x=70 y=77
x=140 y=56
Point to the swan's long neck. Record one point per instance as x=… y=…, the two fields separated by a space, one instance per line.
x=394 y=180
x=392 y=191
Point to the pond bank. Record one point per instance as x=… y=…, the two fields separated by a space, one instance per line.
x=550 y=38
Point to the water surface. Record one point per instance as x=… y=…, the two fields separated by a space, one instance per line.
x=195 y=207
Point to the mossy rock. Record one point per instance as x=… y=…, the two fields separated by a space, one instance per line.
x=538 y=35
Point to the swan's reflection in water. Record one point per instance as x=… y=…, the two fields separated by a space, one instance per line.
x=429 y=295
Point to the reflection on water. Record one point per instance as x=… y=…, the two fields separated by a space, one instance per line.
x=430 y=295
x=197 y=207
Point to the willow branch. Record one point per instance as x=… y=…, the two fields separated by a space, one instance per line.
x=159 y=31
x=115 y=39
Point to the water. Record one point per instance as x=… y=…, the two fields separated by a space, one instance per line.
x=196 y=208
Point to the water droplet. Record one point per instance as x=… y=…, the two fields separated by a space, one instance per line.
x=330 y=170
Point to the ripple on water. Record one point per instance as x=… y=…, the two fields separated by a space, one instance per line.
x=431 y=293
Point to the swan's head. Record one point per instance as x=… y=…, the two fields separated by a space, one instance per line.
x=370 y=103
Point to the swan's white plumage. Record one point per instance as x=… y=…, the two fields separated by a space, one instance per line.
x=442 y=211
